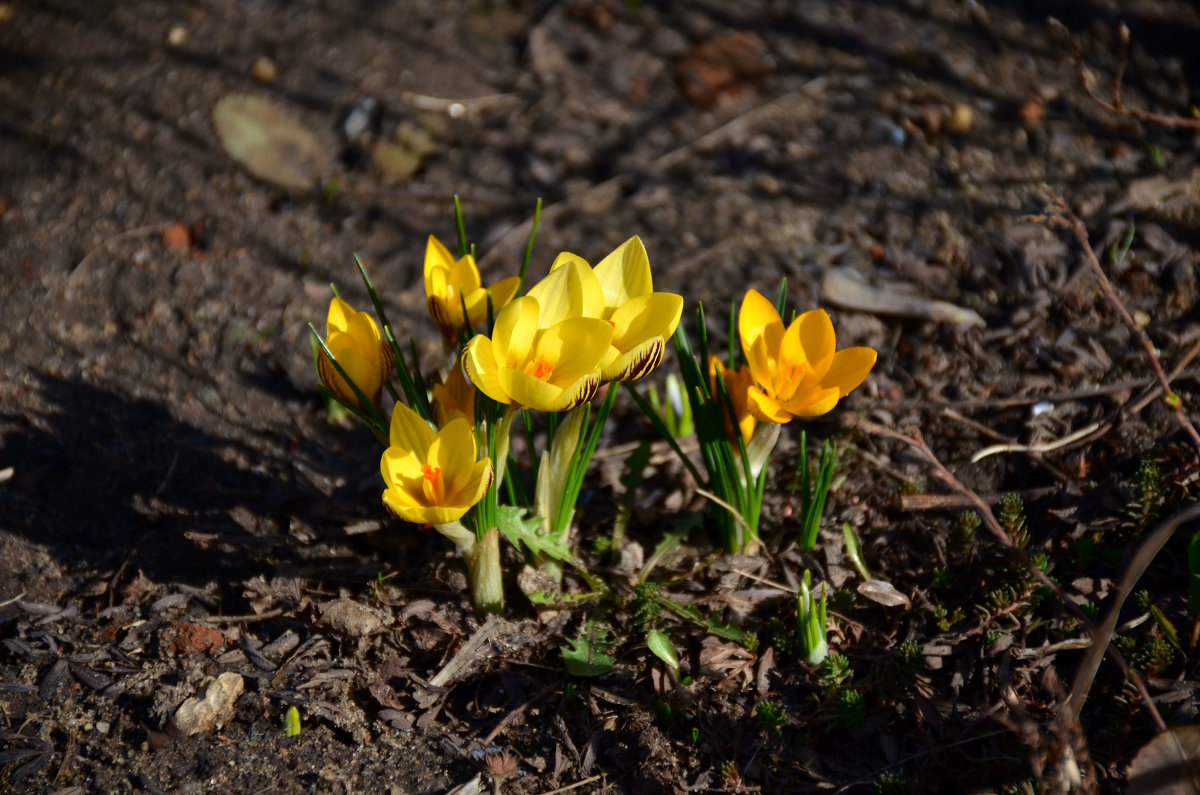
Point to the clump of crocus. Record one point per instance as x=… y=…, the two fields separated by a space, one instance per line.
x=433 y=477
x=642 y=319
x=533 y=366
x=454 y=287
x=789 y=372
x=355 y=343
x=797 y=371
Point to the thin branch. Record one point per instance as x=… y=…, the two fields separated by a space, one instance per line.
x=1116 y=106
x=917 y=442
x=1059 y=213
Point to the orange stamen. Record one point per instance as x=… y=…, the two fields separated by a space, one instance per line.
x=539 y=368
x=432 y=474
x=432 y=488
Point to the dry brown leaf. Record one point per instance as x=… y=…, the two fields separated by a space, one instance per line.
x=1168 y=765
x=884 y=593
x=270 y=143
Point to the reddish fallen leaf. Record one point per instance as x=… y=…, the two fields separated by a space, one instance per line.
x=193 y=638
x=176 y=238
x=723 y=68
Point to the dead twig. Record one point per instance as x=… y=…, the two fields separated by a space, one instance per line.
x=248 y=619
x=917 y=442
x=1102 y=637
x=1116 y=106
x=467 y=654
x=1059 y=214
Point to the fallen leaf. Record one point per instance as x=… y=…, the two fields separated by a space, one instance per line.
x=270 y=143
x=883 y=593
x=1168 y=765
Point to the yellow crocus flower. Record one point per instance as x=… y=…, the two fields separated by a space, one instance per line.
x=432 y=477
x=796 y=370
x=642 y=319
x=453 y=398
x=739 y=384
x=525 y=363
x=449 y=283
x=354 y=340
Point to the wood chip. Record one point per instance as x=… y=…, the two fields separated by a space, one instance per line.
x=843 y=287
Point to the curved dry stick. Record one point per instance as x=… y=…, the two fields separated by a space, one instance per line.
x=1102 y=638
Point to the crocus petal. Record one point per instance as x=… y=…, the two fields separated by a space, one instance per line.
x=402 y=468
x=464 y=275
x=530 y=392
x=455 y=454
x=569 y=290
x=816 y=337
x=437 y=257
x=575 y=347
x=480 y=363
x=567 y=258
x=579 y=393
x=849 y=368
x=409 y=431
x=761 y=331
x=361 y=372
x=814 y=403
x=339 y=315
x=503 y=291
x=515 y=332
x=644 y=317
x=480 y=479
x=625 y=273
x=766 y=408
x=636 y=363
x=454 y=397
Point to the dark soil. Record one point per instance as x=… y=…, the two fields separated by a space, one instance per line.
x=176 y=505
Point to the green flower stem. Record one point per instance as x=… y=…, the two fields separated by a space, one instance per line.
x=487 y=584
x=463 y=538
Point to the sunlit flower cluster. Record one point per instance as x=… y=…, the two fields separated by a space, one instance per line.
x=789 y=372
x=551 y=348
x=578 y=327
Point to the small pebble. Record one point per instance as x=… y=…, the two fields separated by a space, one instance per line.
x=961 y=118
x=176 y=238
x=264 y=70
x=1031 y=111
x=177 y=35
x=1141 y=317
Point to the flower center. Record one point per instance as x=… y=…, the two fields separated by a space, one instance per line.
x=539 y=368
x=791 y=374
x=432 y=486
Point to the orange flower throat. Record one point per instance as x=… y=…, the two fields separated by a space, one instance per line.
x=432 y=486
x=539 y=368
